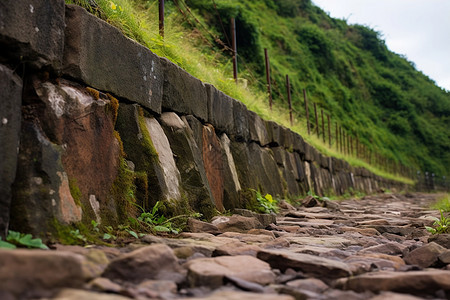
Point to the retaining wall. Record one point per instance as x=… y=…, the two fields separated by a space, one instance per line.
x=69 y=152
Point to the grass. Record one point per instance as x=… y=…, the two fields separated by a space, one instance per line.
x=138 y=20
x=443 y=203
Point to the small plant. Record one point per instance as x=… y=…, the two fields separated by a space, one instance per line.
x=159 y=223
x=95 y=226
x=266 y=203
x=77 y=235
x=109 y=234
x=441 y=225
x=17 y=239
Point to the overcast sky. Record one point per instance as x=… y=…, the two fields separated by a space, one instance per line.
x=418 y=29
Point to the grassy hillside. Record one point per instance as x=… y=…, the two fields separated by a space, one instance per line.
x=376 y=95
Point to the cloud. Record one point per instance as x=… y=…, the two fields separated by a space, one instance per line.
x=418 y=29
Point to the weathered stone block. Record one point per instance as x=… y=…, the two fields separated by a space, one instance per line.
x=265 y=169
x=258 y=131
x=246 y=172
x=62 y=142
x=232 y=186
x=240 y=116
x=299 y=143
x=147 y=147
x=220 y=109
x=101 y=56
x=183 y=93
x=288 y=138
x=10 y=119
x=32 y=31
x=189 y=162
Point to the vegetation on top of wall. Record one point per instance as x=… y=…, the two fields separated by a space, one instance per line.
x=347 y=70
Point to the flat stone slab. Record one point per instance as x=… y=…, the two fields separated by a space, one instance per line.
x=309 y=264
x=234 y=295
x=211 y=271
x=110 y=61
x=413 y=281
x=329 y=242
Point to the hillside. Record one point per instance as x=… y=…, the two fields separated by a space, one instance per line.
x=377 y=96
x=348 y=71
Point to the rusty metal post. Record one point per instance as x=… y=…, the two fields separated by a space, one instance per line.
x=234 y=47
x=323 y=126
x=307 y=112
x=348 y=144
x=288 y=90
x=344 y=142
x=337 y=137
x=351 y=145
x=161 y=18
x=329 y=130
x=269 y=85
x=357 y=147
x=317 y=120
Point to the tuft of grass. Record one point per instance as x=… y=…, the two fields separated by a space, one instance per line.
x=443 y=203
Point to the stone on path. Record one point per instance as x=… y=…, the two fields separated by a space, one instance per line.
x=236 y=223
x=233 y=295
x=425 y=256
x=309 y=264
x=445 y=257
x=408 y=282
x=211 y=271
x=441 y=239
x=200 y=226
x=31 y=273
x=391 y=248
x=151 y=262
x=394 y=296
x=73 y=294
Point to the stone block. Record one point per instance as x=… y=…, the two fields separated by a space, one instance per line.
x=32 y=31
x=220 y=109
x=258 y=131
x=63 y=144
x=246 y=172
x=299 y=143
x=266 y=170
x=148 y=148
x=10 y=119
x=241 y=122
x=101 y=56
x=232 y=187
x=189 y=161
x=183 y=93
x=288 y=142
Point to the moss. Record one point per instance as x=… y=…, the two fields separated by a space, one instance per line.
x=114 y=104
x=123 y=192
x=146 y=139
x=93 y=92
x=75 y=191
x=117 y=136
x=65 y=234
x=247 y=199
x=141 y=182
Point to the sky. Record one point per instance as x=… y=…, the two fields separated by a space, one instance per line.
x=417 y=29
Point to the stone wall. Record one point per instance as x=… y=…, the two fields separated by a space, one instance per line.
x=71 y=152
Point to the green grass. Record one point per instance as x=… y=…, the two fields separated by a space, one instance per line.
x=443 y=203
x=376 y=95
